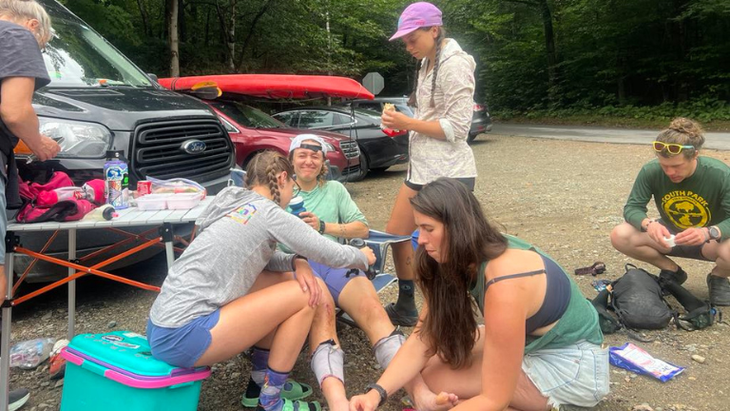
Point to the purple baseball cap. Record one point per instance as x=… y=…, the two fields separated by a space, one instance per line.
x=416 y=16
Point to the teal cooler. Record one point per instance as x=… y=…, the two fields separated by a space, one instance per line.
x=116 y=371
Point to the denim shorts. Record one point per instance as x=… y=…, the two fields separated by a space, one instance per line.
x=577 y=374
x=335 y=278
x=182 y=346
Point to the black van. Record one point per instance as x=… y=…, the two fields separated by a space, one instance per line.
x=98 y=100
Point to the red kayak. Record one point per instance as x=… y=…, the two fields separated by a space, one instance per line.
x=275 y=86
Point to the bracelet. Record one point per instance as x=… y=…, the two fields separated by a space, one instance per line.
x=380 y=390
x=321 y=227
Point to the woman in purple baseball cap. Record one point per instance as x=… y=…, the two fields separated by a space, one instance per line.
x=443 y=94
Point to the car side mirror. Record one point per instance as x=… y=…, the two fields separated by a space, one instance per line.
x=153 y=77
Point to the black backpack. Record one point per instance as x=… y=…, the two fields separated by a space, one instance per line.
x=637 y=302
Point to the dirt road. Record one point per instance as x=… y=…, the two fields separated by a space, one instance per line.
x=563 y=196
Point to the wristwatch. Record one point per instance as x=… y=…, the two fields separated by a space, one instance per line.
x=321 y=227
x=715 y=233
x=380 y=390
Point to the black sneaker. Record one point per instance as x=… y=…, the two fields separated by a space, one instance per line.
x=679 y=276
x=719 y=289
x=399 y=318
x=17 y=398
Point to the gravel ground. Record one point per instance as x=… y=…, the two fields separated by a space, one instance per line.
x=563 y=196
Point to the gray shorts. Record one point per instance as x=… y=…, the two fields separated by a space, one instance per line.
x=577 y=374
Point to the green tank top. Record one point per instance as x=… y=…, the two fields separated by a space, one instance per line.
x=579 y=322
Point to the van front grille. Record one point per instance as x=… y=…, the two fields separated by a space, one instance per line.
x=159 y=150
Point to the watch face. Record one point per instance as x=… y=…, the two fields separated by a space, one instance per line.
x=714 y=232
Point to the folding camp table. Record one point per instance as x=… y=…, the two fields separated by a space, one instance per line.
x=160 y=227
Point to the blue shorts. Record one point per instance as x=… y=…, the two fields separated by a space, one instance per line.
x=335 y=278
x=182 y=346
x=574 y=375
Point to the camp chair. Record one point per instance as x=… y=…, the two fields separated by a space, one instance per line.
x=236 y=177
x=380 y=243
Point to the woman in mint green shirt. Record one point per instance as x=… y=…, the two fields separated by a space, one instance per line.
x=540 y=345
x=331 y=211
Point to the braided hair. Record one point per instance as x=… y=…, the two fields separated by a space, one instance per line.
x=263 y=169
x=437 y=60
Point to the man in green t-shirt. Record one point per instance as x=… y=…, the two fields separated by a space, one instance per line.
x=692 y=194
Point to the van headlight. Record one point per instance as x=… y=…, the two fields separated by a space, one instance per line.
x=79 y=139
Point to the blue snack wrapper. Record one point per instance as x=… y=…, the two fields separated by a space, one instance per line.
x=635 y=359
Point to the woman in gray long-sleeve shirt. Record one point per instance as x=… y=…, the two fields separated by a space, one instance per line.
x=230 y=289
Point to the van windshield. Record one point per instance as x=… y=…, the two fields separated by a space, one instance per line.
x=78 y=57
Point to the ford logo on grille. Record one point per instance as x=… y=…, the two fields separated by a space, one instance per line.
x=193 y=146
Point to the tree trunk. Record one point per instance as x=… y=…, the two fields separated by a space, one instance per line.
x=251 y=31
x=550 y=50
x=181 y=21
x=207 y=29
x=231 y=38
x=172 y=37
x=143 y=15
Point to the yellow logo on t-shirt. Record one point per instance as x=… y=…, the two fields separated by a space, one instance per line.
x=686 y=209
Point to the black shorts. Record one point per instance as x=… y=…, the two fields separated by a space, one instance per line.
x=469 y=182
x=684 y=251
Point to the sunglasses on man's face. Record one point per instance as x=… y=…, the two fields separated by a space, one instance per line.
x=670 y=147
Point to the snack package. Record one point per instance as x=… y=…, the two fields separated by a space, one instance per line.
x=389 y=131
x=176 y=185
x=635 y=359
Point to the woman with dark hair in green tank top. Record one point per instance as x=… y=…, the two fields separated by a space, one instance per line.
x=540 y=346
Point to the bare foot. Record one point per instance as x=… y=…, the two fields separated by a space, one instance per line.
x=429 y=401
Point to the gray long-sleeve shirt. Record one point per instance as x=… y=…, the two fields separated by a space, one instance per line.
x=237 y=241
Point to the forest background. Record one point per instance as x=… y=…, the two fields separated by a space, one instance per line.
x=609 y=62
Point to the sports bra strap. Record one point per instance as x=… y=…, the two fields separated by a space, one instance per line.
x=510 y=276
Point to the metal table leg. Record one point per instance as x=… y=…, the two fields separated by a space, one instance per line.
x=167 y=235
x=71 y=285
x=7 y=308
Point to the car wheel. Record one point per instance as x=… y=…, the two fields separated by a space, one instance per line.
x=363 y=167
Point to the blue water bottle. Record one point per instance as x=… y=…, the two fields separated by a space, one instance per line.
x=116 y=180
x=297 y=206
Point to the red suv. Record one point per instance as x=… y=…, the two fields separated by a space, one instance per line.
x=253 y=131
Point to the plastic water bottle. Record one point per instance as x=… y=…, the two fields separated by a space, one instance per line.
x=116 y=178
x=102 y=213
x=28 y=354
x=297 y=206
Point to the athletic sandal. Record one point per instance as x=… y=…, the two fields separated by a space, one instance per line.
x=398 y=318
x=300 y=405
x=596 y=268
x=292 y=391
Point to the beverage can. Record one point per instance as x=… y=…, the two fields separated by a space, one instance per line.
x=297 y=206
x=144 y=187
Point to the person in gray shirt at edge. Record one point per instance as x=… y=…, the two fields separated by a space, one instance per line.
x=230 y=289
